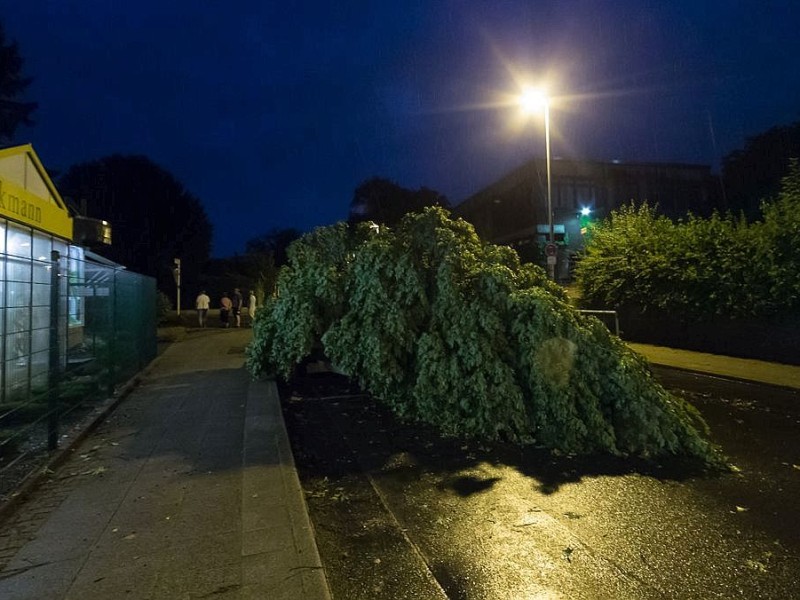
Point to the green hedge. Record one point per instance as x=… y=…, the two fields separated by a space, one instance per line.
x=637 y=260
x=457 y=333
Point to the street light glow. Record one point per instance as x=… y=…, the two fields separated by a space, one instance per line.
x=533 y=100
x=586 y=211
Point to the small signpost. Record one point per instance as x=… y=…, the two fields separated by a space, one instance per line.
x=176 y=273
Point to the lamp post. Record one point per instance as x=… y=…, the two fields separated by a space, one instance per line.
x=531 y=101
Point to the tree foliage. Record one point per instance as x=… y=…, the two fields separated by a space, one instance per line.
x=252 y=271
x=755 y=172
x=274 y=242
x=697 y=268
x=154 y=219
x=778 y=252
x=13 y=111
x=383 y=201
x=454 y=332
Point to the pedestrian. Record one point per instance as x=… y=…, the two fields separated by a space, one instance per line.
x=236 y=307
x=225 y=306
x=202 y=303
x=251 y=307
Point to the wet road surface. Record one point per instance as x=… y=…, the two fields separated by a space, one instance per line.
x=401 y=513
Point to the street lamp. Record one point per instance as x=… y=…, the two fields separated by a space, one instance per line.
x=531 y=101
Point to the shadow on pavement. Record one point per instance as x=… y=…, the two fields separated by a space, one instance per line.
x=337 y=430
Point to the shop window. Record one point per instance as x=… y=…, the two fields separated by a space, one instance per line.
x=41 y=248
x=16 y=379
x=18 y=270
x=40 y=318
x=41 y=295
x=18 y=293
x=18 y=242
x=41 y=340
x=76 y=277
x=18 y=319
x=41 y=271
x=18 y=348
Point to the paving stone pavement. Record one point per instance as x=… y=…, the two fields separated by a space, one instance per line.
x=187 y=490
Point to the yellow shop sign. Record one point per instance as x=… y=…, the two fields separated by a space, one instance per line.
x=20 y=205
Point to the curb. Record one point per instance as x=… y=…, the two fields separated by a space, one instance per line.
x=265 y=427
x=723 y=376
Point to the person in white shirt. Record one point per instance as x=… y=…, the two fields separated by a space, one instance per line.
x=251 y=307
x=202 y=303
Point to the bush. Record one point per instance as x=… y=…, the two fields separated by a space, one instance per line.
x=163 y=306
x=639 y=261
x=778 y=252
x=457 y=333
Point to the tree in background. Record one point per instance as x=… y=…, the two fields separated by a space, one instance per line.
x=153 y=218
x=274 y=243
x=251 y=272
x=383 y=201
x=256 y=270
x=13 y=111
x=754 y=173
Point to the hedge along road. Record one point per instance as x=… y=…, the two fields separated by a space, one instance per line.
x=401 y=513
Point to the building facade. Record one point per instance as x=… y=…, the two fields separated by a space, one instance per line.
x=34 y=223
x=57 y=299
x=513 y=210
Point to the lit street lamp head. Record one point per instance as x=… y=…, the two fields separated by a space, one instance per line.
x=533 y=100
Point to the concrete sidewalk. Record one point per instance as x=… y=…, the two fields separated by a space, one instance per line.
x=722 y=366
x=187 y=490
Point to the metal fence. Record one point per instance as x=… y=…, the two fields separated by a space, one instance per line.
x=603 y=315
x=74 y=328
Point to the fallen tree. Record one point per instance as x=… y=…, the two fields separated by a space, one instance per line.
x=454 y=332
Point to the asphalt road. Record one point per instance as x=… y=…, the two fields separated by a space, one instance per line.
x=401 y=513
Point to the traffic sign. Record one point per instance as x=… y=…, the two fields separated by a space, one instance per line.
x=551 y=249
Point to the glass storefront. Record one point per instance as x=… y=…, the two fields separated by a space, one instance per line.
x=26 y=279
x=73 y=325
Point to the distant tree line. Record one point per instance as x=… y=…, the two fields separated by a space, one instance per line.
x=384 y=202
x=13 y=110
x=754 y=173
x=154 y=219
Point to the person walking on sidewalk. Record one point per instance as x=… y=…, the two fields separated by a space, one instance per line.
x=251 y=307
x=225 y=306
x=236 y=307
x=202 y=304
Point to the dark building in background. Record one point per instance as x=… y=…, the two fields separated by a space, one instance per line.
x=513 y=210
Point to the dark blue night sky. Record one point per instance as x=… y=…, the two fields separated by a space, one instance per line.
x=273 y=112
